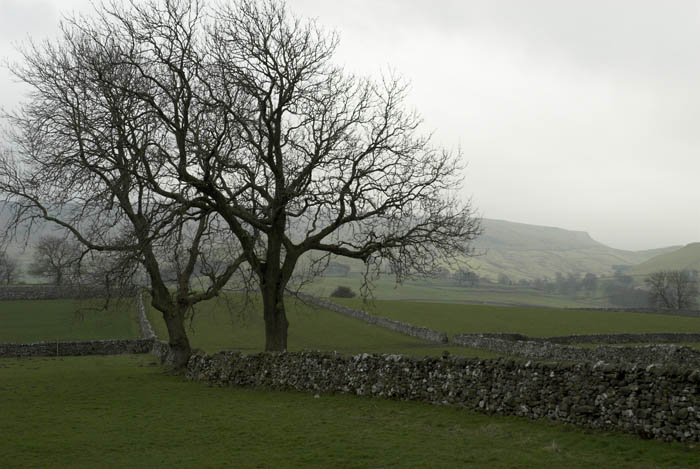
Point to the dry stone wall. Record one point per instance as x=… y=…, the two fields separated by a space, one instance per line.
x=658 y=402
x=551 y=348
x=144 y=324
x=420 y=332
x=93 y=347
x=145 y=344
x=55 y=292
x=692 y=313
x=542 y=350
x=655 y=337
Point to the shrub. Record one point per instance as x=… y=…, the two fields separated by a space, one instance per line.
x=343 y=292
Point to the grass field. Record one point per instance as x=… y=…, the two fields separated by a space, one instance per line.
x=385 y=288
x=217 y=327
x=123 y=412
x=535 y=322
x=50 y=320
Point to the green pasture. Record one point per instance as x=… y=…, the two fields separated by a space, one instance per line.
x=50 y=320
x=535 y=322
x=386 y=288
x=224 y=325
x=124 y=411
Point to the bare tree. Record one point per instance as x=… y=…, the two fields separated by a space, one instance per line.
x=590 y=282
x=9 y=268
x=317 y=160
x=238 y=112
x=84 y=154
x=56 y=258
x=672 y=289
x=466 y=277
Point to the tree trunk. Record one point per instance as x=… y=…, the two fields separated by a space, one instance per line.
x=180 y=349
x=276 y=323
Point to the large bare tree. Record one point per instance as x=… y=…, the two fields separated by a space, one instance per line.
x=239 y=111
x=80 y=158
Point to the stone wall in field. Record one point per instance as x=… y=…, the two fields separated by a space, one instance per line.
x=420 y=332
x=653 y=337
x=145 y=344
x=544 y=350
x=693 y=313
x=54 y=292
x=93 y=347
x=654 y=401
x=144 y=324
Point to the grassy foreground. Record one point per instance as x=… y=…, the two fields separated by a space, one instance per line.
x=50 y=320
x=123 y=411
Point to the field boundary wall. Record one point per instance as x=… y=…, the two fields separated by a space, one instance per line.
x=420 y=332
x=57 y=292
x=693 y=313
x=653 y=402
x=544 y=350
x=145 y=344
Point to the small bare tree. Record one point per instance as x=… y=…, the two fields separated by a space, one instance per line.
x=56 y=258
x=672 y=289
x=9 y=268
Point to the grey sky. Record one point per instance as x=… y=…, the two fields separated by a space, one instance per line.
x=578 y=114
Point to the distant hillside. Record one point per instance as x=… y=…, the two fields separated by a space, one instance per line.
x=686 y=258
x=501 y=234
x=524 y=251
x=518 y=250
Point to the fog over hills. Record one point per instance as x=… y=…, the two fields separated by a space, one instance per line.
x=530 y=251
x=685 y=258
x=519 y=250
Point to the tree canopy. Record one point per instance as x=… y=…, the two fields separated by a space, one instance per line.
x=236 y=112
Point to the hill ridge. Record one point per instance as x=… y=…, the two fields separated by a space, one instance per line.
x=525 y=251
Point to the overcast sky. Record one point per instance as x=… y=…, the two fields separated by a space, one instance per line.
x=578 y=114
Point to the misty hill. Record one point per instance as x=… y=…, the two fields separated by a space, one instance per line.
x=685 y=258
x=524 y=251
x=518 y=250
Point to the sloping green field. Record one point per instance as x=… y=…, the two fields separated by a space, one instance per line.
x=535 y=322
x=123 y=412
x=217 y=327
x=50 y=320
x=385 y=288
x=220 y=326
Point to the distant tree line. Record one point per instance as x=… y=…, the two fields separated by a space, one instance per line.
x=673 y=289
x=9 y=269
x=569 y=285
x=622 y=291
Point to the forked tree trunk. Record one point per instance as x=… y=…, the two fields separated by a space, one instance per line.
x=180 y=349
x=275 y=316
